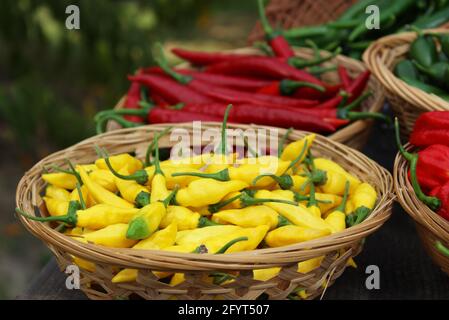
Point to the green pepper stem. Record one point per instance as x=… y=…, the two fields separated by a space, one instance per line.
x=341 y=207
x=170 y=197
x=288 y=87
x=247 y=201
x=442 y=248
x=230 y=244
x=70 y=218
x=80 y=195
x=299 y=157
x=407 y=155
x=217 y=206
x=140 y=176
x=432 y=202
x=312 y=199
x=299 y=63
x=157 y=164
x=317 y=70
x=314 y=47
x=344 y=94
x=100 y=126
x=357 y=101
x=282 y=221
x=204 y=222
x=284 y=181
x=223 y=144
x=222 y=175
x=123 y=112
x=355 y=115
x=151 y=146
x=162 y=62
x=264 y=47
x=264 y=20
x=284 y=140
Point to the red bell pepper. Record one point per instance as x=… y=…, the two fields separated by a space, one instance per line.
x=431 y=128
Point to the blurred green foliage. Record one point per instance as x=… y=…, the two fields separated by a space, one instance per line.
x=52 y=80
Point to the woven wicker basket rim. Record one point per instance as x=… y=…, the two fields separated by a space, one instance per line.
x=374 y=103
x=27 y=195
x=421 y=213
x=381 y=57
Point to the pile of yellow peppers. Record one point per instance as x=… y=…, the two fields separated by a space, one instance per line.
x=209 y=205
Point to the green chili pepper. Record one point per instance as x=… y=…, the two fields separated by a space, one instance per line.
x=406 y=68
x=438 y=71
x=426 y=87
x=423 y=50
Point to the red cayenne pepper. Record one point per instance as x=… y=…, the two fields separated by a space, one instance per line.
x=200 y=58
x=275 y=39
x=132 y=101
x=265 y=67
x=229 y=95
x=357 y=86
x=344 y=77
x=288 y=87
x=170 y=90
x=263 y=115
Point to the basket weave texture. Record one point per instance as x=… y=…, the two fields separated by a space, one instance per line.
x=355 y=134
x=337 y=248
x=430 y=226
x=407 y=102
x=296 y=13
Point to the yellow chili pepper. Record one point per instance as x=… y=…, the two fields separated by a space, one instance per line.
x=148 y=219
x=298 y=215
x=292 y=150
x=132 y=191
x=57 y=193
x=196 y=236
x=56 y=207
x=96 y=217
x=362 y=200
x=245 y=199
x=249 y=217
x=74 y=196
x=105 y=179
x=246 y=173
x=203 y=192
x=119 y=161
x=337 y=218
x=329 y=165
x=265 y=274
x=185 y=218
x=219 y=162
x=303 y=267
x=78 y=231
x=311 y=264
x=312 y=204
x=158 y=240
x=100 y=194
x=291 y=234
x=60 y=179
x=112 y=236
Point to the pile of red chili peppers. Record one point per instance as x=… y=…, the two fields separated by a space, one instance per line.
x=274 y=90
x=429 y=166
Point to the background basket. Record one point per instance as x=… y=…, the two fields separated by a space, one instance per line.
x=355 y=134
x=337 y=248
x=406 y=101
x=296 y=13
x=430 y=226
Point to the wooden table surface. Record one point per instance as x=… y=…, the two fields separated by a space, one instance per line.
x=406 y=272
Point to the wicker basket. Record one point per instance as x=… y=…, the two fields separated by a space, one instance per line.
x=337 y=248
x=296 y=13
x=430 y=226
x=354 y=135
x=407 y=101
